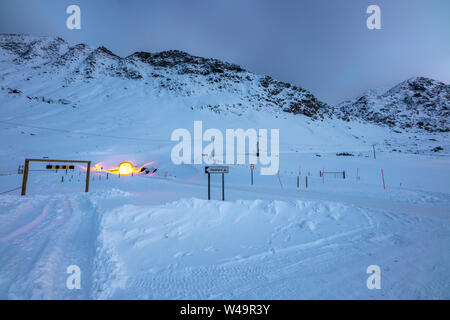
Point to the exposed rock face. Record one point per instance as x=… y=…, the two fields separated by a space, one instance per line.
x=416 y=104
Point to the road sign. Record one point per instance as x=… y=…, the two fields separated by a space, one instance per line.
x=216 y=169
x=213 y=170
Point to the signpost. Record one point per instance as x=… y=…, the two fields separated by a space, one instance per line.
x=252 y=167
x=216 y=170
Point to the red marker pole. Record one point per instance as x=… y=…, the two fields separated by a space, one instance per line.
x=382 y=176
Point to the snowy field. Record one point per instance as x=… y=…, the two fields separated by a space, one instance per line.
x=142 y=237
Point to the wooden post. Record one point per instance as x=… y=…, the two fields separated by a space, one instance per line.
x=209 y=186
x=88 y=174
x=25 y=177
x=306 y=184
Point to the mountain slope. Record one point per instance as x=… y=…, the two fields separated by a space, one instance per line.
x=47 y=85
x=416 y=104
x=174 y=71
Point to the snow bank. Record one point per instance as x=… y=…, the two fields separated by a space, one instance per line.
x=197 y=249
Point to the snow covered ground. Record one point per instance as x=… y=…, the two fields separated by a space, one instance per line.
x=158 y=238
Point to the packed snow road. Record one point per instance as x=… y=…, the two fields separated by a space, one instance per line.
x=130 y=248
x=40 y=237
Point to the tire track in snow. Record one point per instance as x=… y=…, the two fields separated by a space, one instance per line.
x=35 y=256
x=27 y=227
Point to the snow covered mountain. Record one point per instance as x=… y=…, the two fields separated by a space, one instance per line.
x=174 y=72
x=416 y=104
x=42 y=79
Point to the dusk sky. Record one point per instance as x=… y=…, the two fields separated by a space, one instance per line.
x=322 y=46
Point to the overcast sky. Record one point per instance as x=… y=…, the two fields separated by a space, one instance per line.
x=322 y=46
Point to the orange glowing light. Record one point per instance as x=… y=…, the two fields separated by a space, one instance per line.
x=124 y=168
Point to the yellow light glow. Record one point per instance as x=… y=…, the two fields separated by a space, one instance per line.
x=126 y=168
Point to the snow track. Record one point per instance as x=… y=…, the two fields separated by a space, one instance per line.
x=39 y=238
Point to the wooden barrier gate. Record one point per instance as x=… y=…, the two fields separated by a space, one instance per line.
x=27 y=162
